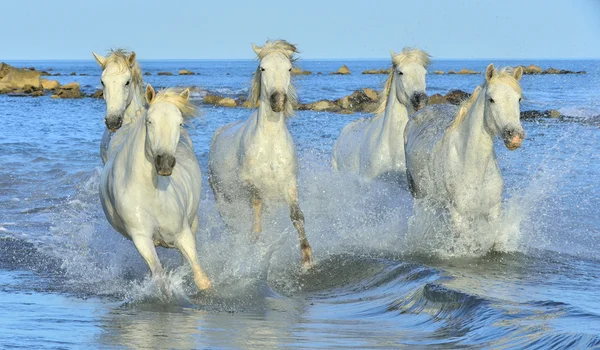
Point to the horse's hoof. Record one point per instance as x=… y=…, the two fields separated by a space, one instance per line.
x=203 y=284
x=308 y=265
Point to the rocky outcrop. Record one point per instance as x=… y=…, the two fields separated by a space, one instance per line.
x=185 y=72
x=19 y=81
x=227 y=102
x=438 y=72
x=321 y=106
x=377 y=71
x=299 y=71
x=164 y=73
x=552 y=113
x=342 y=71
x=49 y=84
x=533 y=69
x=71 y=90
x=147 y=73
x=464 y=71
x=98 y=94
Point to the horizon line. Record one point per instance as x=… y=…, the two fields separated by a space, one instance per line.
x=315 y=59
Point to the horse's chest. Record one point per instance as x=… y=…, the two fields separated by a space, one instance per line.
x=269 y=165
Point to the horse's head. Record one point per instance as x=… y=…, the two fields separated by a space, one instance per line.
x=410 y=69
x=272 y=79
x=119 y=81
x=502 y=105
x=164 y=120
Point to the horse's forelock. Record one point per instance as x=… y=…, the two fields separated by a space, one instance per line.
x=185 y=106
x=412 y=55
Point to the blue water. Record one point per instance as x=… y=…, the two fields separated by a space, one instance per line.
x=68 y=280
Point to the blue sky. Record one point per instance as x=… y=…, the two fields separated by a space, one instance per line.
x=188 y=29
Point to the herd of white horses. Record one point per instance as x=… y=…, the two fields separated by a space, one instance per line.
x=151 y=182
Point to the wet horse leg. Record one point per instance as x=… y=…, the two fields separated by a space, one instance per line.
x=187 y=245
x=298 y=221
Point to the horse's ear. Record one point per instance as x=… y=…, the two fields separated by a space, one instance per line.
x=518 y=73
x=257 y=49
x=150 y=94
x=131 y=59
x=489 y=72
x=100 y=59
x=392 y=53
x=185 y=94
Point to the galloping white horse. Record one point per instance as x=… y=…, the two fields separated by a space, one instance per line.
x=375 y=147
x=255 y=160
x=450 y=157
x=122 y=86
x=151 y=184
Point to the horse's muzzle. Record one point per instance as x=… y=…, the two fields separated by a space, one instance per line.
x=278 y=101
x=513 y=139
x=164 y=164
x=419 y=100
x=113 y=122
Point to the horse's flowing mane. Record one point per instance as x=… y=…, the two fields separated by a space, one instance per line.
x=186 y=107
x=407 y=55
x=504 y=75
x=120 y=58
x=289 y=51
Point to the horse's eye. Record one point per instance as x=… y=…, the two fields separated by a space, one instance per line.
x=262 y=69
x=148 y=122
x=101 y=82
x=520 y=99
x=400 y=73
x=181 y=124
x=127 y=83
x=289 y=70
x=491 y=100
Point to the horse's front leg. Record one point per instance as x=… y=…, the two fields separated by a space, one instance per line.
x=145 y=246
x=256 y=208
x=298 y=221
x=186 y=243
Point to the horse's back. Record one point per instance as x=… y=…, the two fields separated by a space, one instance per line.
x=423 y=133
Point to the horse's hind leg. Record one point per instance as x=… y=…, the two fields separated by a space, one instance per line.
x=187 y=245
x=298 y=220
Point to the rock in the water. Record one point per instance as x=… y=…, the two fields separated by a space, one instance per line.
x=438 y=72
x=73 y=73
x=299 y=71
x=324 y=106
x=377 y=71
x=164 y=73
x=185 y=72
x=553 y=113
x=71 y=90
x=456 y=97
x=372 y=94
x=227 y=102
x=98 y=94
x=437 y=99
x=211 y=99
x=49 y=84
x=17 y=80
x=532 y=69
x=355 y=102
x=147 y=73
x=343 y=70
x=463 y=71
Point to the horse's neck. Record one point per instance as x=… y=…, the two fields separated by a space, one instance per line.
x=395 y=116
x=139 y=166
x=269 y=123
x=135 y=106
x=475 y=144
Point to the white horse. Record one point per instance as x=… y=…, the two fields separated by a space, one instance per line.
x=151 y=184
x=374 y=147
x=255 y=160
x=122 y=86
x=450 y=157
